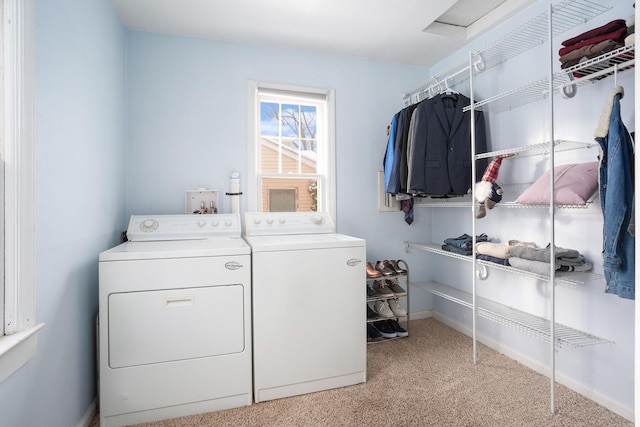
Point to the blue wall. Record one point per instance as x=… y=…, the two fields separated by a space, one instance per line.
x=79 y=202
x=187 y=114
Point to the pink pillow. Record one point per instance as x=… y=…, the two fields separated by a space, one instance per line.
x=574 y=185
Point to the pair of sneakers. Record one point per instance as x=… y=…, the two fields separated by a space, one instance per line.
x=393 y=285
x=387 y=289
x=389 y=308
x=386 y=328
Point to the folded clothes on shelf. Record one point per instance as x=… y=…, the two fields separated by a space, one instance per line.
x=541 y=267
x=617 y=36
x=496 y=250
x=462 y=244
x=518 y=254
x=564 y=259
x=456 y=249
x=562 y=255
x=501 y=250
x=610 y=26
x=501 y=261
x=587 y=52
x=591 y=44
x=585 y=266
x=538 y=267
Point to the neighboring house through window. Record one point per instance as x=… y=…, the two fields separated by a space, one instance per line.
x=291 y=149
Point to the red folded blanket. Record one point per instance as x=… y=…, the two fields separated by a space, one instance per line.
x=606 y=28
x=590 y=50
x=617 y=35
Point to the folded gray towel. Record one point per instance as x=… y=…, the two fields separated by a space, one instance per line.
x=543 y=254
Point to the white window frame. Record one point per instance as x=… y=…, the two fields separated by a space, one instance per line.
x=19 y=338
x=326 y=165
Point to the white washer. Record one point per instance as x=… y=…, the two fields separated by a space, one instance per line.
x=309 y=314
x=175 y=319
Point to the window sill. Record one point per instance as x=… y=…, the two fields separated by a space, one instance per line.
x=16 y=349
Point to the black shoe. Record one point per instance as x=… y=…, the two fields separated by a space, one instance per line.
x=384 y=328
x=373 y=334
x=400 y=331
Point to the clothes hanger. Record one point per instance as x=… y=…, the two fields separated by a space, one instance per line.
x=447 y=92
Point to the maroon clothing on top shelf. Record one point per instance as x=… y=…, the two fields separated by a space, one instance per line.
x=605 y=29
x=590 y=51
x=617 y=35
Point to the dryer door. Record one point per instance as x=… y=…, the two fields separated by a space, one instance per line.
x=175 y=324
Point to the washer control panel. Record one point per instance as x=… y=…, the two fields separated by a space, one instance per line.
x=281 y=223
x=182 y=227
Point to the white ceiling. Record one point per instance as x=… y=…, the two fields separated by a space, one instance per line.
x=415 y=32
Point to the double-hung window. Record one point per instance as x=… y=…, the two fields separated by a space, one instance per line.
x=19 y=328
x=291 y=149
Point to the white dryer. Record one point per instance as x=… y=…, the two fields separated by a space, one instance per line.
x=309 y=311
x=175 y=319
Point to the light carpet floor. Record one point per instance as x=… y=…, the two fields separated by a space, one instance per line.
x=427 y=379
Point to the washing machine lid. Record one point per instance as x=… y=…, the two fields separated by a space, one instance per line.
x=302 y=241
x=165 y=249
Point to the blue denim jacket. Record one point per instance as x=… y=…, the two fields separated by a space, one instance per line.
x=390 y=153
x=616 y=198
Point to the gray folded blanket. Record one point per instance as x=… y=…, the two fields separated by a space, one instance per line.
x=540 y=267
x=563 y=256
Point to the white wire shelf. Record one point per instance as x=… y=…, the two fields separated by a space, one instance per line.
x=564 y=81
x=536 y=326
x=565 y=15
x=538 y=149
x=594 y=69
x=448 y=202
x=568 y=279
x=511 y=192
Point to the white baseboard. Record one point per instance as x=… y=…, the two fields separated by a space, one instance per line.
x=88 y=416
x=578 y=387
x=423 y=314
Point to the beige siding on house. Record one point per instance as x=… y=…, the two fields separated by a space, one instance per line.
x=269 y=162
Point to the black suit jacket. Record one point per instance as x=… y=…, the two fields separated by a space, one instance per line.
x=439 y=147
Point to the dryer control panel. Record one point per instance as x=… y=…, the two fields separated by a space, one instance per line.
x=282 y=223
x=182 y=227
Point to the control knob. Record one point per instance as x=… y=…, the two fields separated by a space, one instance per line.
x=149 y=225
x=317 y=220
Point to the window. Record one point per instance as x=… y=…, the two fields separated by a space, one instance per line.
x=292 y=149
x=18 y=338
x=283 y=199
